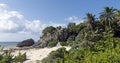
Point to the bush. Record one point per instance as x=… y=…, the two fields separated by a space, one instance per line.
x=55 y=56
x=20 y=58
x=52 y=43
x=105 y=50
x=6 y=57
x=46 y=60
x=64 y=43
x=49 y=29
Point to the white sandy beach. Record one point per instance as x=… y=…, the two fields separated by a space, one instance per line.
x=37 y=54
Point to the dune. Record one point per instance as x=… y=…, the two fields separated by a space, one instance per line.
x=34 y=55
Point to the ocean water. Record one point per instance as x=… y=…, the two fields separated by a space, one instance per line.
x=8 y=44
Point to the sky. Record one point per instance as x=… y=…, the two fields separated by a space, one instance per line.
x=24 y=19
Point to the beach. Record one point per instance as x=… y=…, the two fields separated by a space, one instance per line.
x=33 y=55
x=36 y=54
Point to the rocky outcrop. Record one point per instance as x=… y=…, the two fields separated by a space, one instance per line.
x=24 y=43
x=40 y=44
x=59 y=35
x=62 y=35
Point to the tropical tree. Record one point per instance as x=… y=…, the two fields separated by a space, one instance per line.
x=90 y=21
x=107 y=16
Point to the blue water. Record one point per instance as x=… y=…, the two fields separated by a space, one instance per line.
x=8 y=44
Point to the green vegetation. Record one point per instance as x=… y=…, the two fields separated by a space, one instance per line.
x=49 y=29
x=93 y=41
x=105 y=50
x=51 y=43
x=20 y=58
x=55 y=56
x=7 y=57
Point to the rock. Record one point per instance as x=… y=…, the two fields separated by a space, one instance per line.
x=62 y=35
x=71 y=38
x=40 y=44
x=43 y=44
x=28 y=42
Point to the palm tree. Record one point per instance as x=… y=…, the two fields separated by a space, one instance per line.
x=107 y=16
x=90 y=21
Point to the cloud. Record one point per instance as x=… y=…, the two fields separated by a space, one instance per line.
x=34 y=26
x=14 y=27
x=13 y=23
x=74 y=19
x=6 y=26
x=3 y=6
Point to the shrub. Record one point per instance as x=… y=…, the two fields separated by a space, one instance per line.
x=55 y=56
x=64 y=43
x=52 y=43
x=6 y=57
x=49 y=29
x=20 y=58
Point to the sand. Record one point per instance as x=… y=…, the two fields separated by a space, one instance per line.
x=34 y=55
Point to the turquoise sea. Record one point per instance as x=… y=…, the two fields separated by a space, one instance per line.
x=8 y=44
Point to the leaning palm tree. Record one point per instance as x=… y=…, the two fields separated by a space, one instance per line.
x=90 y=21
x=107 y=16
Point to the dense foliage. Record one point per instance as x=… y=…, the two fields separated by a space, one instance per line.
x=93 y=41
x=49 y=29
x=52 y=43
x=7 y=57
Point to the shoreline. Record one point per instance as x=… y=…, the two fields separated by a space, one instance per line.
x=34 y=54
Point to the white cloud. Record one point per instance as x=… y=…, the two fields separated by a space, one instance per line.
x=74 y=19
x=13 y=25
x=13 y=21
x=3 y=6
x=10 y=21
x=34 y=26
x=8 y=26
